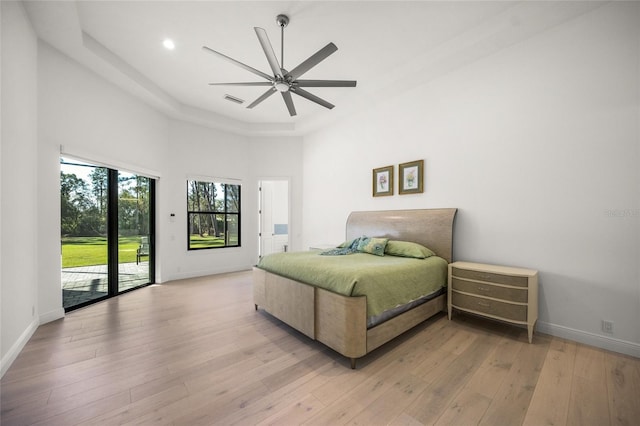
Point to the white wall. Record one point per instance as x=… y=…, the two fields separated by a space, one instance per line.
x=19 y=203
x=197 y=152
x=538 y=147
x=281 y=158
x=92 y=120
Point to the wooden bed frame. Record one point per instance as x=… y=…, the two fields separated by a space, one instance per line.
x=340 y=322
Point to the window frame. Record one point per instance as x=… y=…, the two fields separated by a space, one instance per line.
x=226 y=213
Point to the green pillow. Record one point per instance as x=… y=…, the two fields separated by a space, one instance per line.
x=372 y=245
x=407 y=249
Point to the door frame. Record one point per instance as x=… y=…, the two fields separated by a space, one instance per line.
x=260 y=207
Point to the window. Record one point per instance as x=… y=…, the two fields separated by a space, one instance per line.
x=213 y=214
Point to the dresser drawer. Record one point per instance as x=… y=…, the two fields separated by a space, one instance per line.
x=490 y=277
x=504 y=310
x=489 y=290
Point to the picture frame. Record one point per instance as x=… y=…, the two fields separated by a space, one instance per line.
x=411 y=177
x=383 y=181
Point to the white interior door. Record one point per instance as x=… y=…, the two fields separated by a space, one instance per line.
x=274 y=216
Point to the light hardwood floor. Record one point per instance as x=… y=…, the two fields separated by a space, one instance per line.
x=195 y=352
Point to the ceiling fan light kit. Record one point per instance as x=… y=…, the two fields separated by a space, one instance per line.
x=283 y=81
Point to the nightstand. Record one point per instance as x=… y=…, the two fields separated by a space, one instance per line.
x=499 y=292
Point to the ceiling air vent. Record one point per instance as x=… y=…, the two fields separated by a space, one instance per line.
x=233 y=99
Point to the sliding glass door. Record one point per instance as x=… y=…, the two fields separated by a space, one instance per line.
x=107 y=223
x=134 y=231
x=84 y=243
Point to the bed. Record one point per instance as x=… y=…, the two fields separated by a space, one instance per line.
x=344 y=322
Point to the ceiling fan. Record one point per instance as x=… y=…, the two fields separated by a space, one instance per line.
x=283 y=81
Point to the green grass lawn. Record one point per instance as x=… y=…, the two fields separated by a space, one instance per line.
x=86 y=251
x=197 y=241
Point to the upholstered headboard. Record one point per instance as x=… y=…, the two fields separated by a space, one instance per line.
x=433 y=228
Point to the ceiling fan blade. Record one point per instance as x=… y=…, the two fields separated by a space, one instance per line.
x=313 y=98
x=312 y=61
x=240 y=64
x=250 y=83
x=264 y=96
x=289 y=101
x=325 y=83
x=268 y=51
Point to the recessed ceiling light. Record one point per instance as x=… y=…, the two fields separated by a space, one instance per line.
x=169 y=44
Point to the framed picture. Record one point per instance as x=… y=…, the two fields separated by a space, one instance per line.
x=383 y=181
x=411 y=177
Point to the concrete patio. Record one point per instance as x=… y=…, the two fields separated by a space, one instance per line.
x=86 y=283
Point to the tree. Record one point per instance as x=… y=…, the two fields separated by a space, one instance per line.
x=142 y=187
x=99 y=181
x=233 y=198
x=75 y=205
x=201 y=198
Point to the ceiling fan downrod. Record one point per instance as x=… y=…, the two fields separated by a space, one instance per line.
x=283 y=21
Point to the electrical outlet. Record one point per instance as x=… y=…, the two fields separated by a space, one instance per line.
x=607 y=326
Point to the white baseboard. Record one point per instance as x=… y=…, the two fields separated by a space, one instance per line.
x=592 y=339
x=203 y=273
x=17 y=347
x=56 y=314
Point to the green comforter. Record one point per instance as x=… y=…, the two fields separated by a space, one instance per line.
x=387 y=281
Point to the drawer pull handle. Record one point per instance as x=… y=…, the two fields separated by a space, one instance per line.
x=484 y=305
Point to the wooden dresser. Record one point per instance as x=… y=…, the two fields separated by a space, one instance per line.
x=499 y=292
